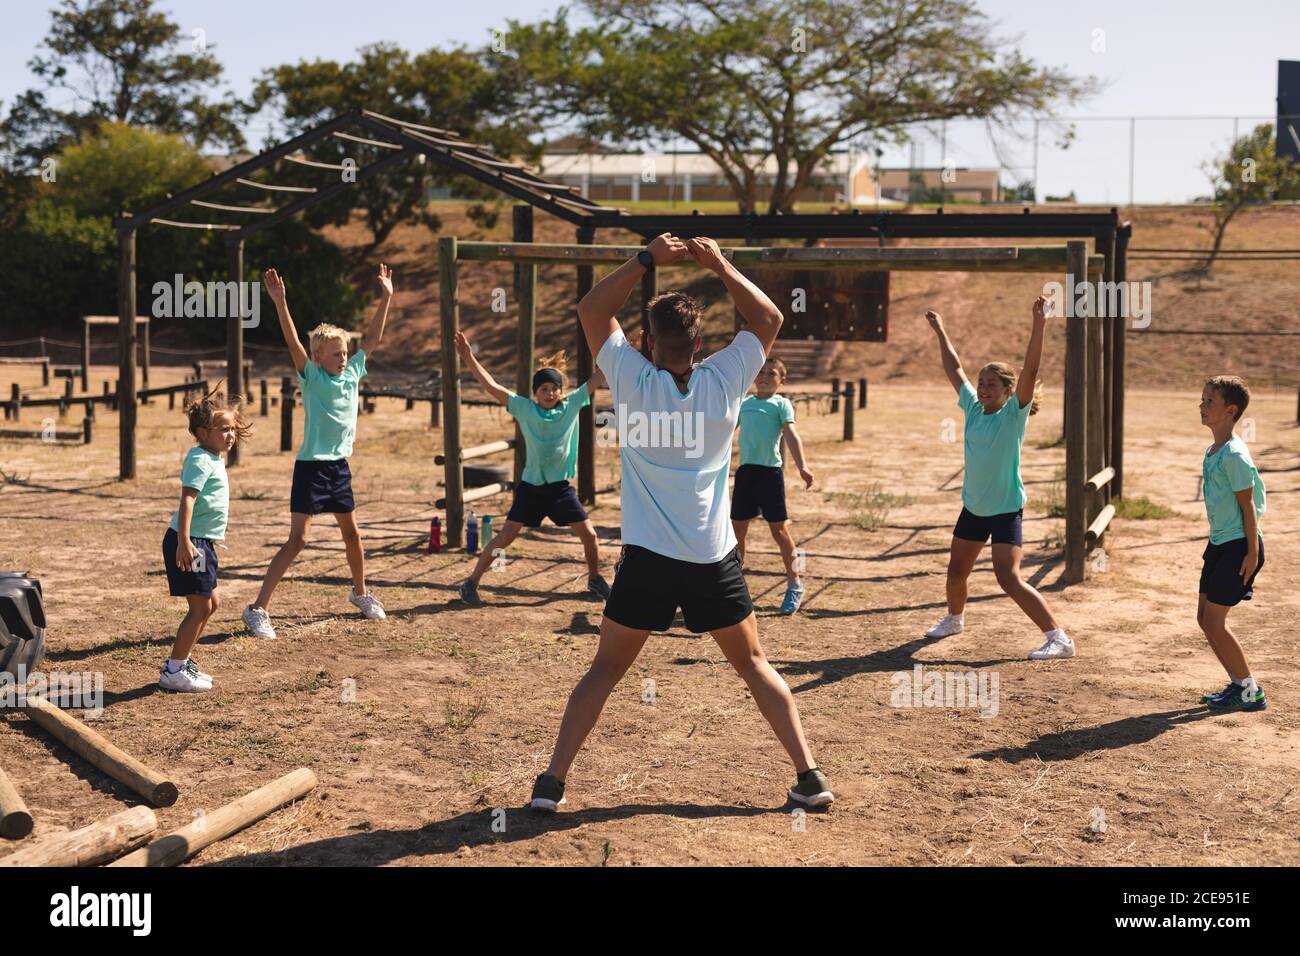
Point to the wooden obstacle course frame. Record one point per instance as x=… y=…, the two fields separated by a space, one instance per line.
x=112 y=320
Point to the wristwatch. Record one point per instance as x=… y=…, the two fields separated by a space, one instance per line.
x=645 y=258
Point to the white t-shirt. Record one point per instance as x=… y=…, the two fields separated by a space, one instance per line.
x=675 y=447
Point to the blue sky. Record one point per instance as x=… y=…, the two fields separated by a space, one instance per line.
x=1161 y=58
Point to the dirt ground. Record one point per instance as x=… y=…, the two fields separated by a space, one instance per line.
x=455 y=709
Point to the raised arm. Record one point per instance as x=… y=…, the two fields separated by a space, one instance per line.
x=758 y=313
x=275 y=289
x=947 y=354
x=1033 y=354
x=598 y=308
x=490 y=385
x=375 y=329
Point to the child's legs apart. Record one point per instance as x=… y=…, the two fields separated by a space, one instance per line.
x=785 y=542
x=1226 y=647
x=301 y=525
x=739 y=643
x=619 y=647
x=500 y=541
x=1006 y=565
x=586 y=531
x=347 y=521
x=961 y=561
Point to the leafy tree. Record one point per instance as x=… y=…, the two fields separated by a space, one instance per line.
x=1250 y=173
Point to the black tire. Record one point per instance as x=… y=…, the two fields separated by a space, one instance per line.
x=22 y=623
x=476 y=476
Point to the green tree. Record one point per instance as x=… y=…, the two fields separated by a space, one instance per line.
x=452 y=89
x=745 y=80
x=1250 y=173
x=116 y=60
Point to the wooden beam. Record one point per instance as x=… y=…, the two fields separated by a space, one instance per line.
x=1100 y=479
x=474 y=494
x=91 y=845
x=450 y=320
x=15 y=819
x=1076 y=411
x=526 y=336
x=479 y=451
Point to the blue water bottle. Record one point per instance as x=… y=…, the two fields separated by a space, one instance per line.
x=471 y=535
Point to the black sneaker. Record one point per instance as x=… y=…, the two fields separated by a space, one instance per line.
x=1236 y=697
x=812 y=790
x=468 y=592
x=597 y=586
x=548 y=793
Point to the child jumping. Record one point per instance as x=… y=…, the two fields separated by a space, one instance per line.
x=992 y=493
x=550 y=427
x=767 y=420
x=199 y=521
x=322 y=481
x=1234 y=555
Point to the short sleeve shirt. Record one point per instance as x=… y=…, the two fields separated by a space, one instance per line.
x=992 y=483
x=1223 y=474
x=205 y=472
x=550 y=435
x=761 y=423
x=329 y=404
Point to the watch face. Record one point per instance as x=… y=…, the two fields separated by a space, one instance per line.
x=645 y=258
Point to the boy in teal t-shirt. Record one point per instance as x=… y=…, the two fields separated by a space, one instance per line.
x=1234 y=555
x=189 y=551
x=992 y=492
x=766 y=420
x=330 y=383
x=549 y=425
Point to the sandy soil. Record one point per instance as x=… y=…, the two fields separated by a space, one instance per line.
x=455 y=709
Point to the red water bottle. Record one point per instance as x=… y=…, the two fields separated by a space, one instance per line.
x=435 y=535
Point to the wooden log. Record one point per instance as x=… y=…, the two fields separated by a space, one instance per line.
x=478 y=451
x=1098 y=526
x=92 y=845
x=474 y=494
x=1101 y=479
x=15 y=820
x=449 y=314
x=180 y=845
x=1076 y=411
x=85 y=742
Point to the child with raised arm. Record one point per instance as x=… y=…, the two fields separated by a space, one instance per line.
x=189 y=552
x=549 y=423
x=767 y=421
x=1234 y=503
x=992 y=492
x=330 y=382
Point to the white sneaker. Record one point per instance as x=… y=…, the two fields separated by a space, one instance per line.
x=1058 y=647
x=184 y=680
x=369 y=604
x=950 y=625
x=259 y=622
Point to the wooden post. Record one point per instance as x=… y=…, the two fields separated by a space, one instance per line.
x=85 y=355
x=87 y=424
x=118 y=764
x=286 y=414
x=1117 y=369
x=266 y=400
x=91 y=845
x=410 y=403
x=1106 y=247
x=180 y=845
x=835 y=395
x=449 y=307
x=126 y=408
x=144 y=349
x=862 y=393
x=435 y=409
x=16 y=400
x=67 y=387
x=1076 y=385
x=90 y=409
x=649 y=289
x=235 y=387
x=848 y=412
x=586 y=365
x=526 y=295
x=15 y=820
x=1096 y=421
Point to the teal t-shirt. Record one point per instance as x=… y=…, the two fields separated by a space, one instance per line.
x=992 y=485
x=205 y=473
x=1223 y=473
x=329 y=404
x=761 y=422
x=550 y=435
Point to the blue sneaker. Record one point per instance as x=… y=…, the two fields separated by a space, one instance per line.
x=793 y=598
x=1236 y=697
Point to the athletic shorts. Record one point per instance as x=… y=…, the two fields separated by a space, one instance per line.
x=649 y=588
x=320 y=487
x=759 y=489
x=183 y=583
x=1221 y=573
x=555 y=500
x=1004 y=528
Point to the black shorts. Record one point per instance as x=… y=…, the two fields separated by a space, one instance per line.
x=649 y=588
x=759 y=489
x=321 y=486
x=555 y=500
x=1004 y=528
x=1221 y=573
x=184 y=583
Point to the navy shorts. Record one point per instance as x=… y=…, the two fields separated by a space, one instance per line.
x=1004 y=528
x=183 y=583
x=321 y=486
x=556 y=500
x=1221 y=573
x=649 y=588
x=759 y=489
